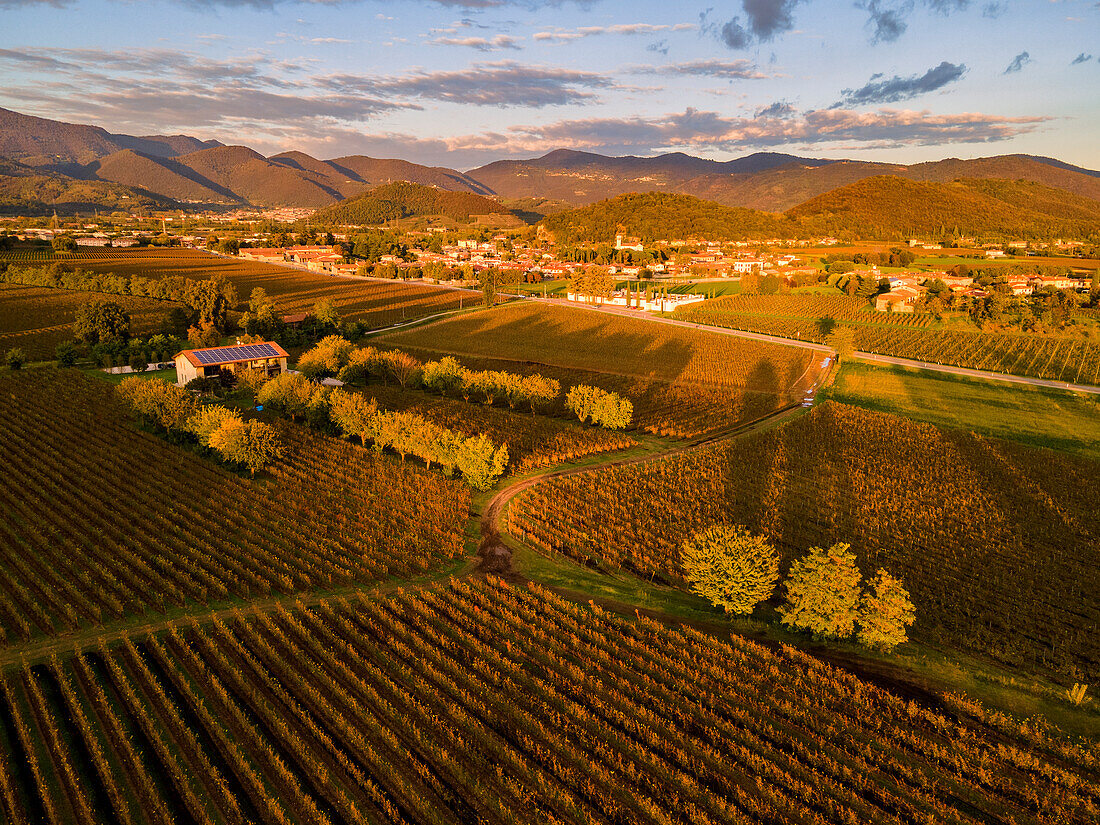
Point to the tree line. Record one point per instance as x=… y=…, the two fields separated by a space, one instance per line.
x=337 y=357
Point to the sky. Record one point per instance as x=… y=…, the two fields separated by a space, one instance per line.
x=460 y=83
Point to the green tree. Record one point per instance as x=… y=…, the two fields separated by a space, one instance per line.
x=324 y=312
x=443 y=376
x=211 y=299
x=540 y=391
x=63 y=243
x=480 y=462
x=99 y=321
x=287 y=393
x=885 y=612
x=612 y=411
x=490 y=282
x=730 y=567
x=843 y=340
x=353 y=414
x=822 y=593
x=65 y=353
x=15 y=359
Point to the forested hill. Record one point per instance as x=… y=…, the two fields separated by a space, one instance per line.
x=403 y=200
x=888 y=206
x=658 y=215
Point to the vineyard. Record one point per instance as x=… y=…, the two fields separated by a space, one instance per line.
x=682 y=382
x=955 y=515
x=37 y=319
x=533 y=441
x=481 y=702
x=1074 y=360
x=102 y=521
x=372 y=302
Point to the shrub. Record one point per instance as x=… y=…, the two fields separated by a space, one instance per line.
x=288 y=394
x=15 y=359
x=252 y=444
x=730 y=567
x=208 y=420
x=823 y=593
x=884 y=613
x=65 y=354
x=326 y=359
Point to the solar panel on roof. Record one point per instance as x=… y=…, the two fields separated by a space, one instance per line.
x=222 y=355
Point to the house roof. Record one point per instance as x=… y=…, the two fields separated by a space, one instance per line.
x=215 y=356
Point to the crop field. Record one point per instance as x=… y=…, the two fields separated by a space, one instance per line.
x=99 y=520
x=957 y=516
x=683 y=382
x=482 y=702
x=903 y=335
x=37 y=319
x=1041 y=417
x=533 y=441
x=376 y=303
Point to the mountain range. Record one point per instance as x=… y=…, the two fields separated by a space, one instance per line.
x=47 y=165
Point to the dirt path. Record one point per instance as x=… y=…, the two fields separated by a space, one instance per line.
x=496 y=558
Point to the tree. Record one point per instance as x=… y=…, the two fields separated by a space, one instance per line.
x=65 y=354
x=63 y=243
x=324 y=312
x=353 y=414
x=327 y=358
x=490 y=281
x=287 y=393
x=403 y=367
x=823 y=593
x=480 y=462
x=99 y=321
x=843 y=340
x=730 y=567
x=885 y=612
x=825 y=325
x=158 y=401
x=612 y=411
x=211 y=299
x=581 y=400
x=443 y=376
x=540 y=391
x=15 y=359
x=208 y=420
x=253 y=444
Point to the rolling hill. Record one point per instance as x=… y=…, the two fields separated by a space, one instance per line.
x=25 y=190
x=891 y=206
x=657 y=215
x=403 y=200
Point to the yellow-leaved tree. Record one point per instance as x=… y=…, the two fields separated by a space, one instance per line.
x=730 y=567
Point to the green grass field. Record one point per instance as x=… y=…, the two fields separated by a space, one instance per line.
x=1045 y=418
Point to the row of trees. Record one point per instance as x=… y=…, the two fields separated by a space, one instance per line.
x=737 y=570
x=251 y=444
x=336 y=356
x=476 y=458
x=209 y=300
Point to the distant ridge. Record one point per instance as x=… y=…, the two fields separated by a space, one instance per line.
x=208 y=173
x=402 y=200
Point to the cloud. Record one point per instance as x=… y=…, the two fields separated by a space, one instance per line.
x=1081 y=58
x=503 y=83
x=482 y=44
x=696 y=130
x=888 y=19
x=660 y=47
x=902 y=88
x=739 y=69
x=566 y=35
x=764 y=19
x=994 y=10
x=780 y=108
x=1018 y=62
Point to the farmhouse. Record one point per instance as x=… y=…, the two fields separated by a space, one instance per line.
x=267 y=356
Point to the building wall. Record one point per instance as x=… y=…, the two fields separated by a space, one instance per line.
x=185 y=371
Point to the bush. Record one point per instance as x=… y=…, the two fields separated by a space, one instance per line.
x=884 y=613
x=65 y=354
x=138 y=362
x=15 y=359
x=823 y=593
x=730 y=567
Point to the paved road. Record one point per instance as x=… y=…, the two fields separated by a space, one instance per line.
x=862 y=356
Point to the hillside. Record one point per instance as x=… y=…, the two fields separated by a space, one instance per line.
x=585 y=177
x=891 y=206
x=659 y=215
x=41 y=142
x=404 y=200
x=28 y=191
x=164 y=175
x=375 y=171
